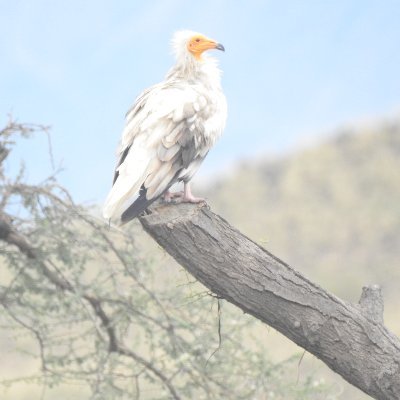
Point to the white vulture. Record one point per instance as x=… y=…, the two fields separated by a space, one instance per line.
x=169 y=131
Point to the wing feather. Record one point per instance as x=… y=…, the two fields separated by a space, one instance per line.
x=171 y=138
x=163 y=182
x=155 y=177
x=165 y=153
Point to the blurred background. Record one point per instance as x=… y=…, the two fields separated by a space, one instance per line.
x=312 y=143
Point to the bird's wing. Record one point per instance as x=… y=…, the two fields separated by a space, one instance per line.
x=133 y=119
x=162 y=138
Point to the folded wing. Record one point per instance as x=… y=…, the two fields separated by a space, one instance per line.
x=163 y=142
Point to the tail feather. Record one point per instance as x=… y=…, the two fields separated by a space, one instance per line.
x=131 y=175
x=137 y=207
x=141 y=203
x=117 y=199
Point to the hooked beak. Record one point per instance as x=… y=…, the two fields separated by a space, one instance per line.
x=219 y=46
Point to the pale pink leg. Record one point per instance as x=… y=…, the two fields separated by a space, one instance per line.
x=188 y=196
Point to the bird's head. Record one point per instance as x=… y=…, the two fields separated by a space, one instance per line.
x=198 y=44
x=194 y=44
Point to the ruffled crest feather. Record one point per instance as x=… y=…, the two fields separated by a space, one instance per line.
x=180 y=40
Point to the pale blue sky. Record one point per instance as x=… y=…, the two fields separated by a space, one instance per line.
x=292 y=69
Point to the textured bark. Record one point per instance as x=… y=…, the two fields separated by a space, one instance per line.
x=350 y=338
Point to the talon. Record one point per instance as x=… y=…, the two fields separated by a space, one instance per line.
x=192 y=199
x=176 y=195
x=167 y=197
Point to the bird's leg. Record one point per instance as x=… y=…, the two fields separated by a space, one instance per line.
x=188 y=196
x=182 y=197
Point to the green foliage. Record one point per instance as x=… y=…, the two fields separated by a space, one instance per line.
x=106 y=316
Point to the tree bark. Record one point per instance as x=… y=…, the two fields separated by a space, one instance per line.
x=350 y=338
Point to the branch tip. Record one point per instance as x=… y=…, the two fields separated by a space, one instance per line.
x=371 y=303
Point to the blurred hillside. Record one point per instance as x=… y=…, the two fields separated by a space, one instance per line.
x=332 y=211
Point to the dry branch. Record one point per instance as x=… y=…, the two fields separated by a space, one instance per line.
x=351 y=339
x=11 y=236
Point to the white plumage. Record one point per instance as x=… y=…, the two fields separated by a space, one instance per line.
x=169 y=130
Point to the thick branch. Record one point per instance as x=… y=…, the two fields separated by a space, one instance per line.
x=351 y=342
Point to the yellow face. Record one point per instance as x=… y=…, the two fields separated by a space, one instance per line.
x=199 y=43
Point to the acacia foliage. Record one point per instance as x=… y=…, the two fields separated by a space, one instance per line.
x=102 y=316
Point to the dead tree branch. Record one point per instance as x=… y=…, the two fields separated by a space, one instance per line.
x=350 y=339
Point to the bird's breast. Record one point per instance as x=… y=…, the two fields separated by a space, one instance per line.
x=212 y=119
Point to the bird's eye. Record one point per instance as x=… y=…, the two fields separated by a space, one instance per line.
x=197 y=40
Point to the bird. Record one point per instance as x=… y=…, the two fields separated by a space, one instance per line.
x=169 y=130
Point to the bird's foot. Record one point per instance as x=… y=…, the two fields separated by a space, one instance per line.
x=192 y=199
x=177 y=195
x=188 y=196
x=167 y=197
x=182 y=197
x=170 y=197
